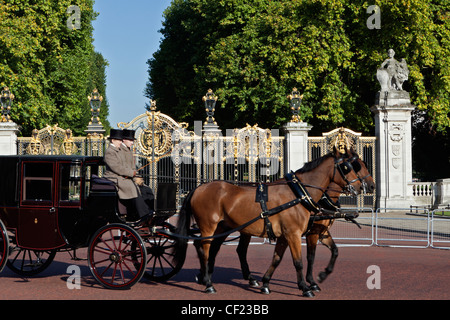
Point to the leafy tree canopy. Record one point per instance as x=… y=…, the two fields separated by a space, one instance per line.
x=252 y=53
x=50 y=68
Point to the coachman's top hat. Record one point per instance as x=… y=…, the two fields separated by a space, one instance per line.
x=128 y=134
x=115 y=134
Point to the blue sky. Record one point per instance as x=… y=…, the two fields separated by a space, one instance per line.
x=126 y=34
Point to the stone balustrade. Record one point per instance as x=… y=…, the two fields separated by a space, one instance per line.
x=432 y=194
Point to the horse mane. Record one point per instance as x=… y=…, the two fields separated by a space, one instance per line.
x=309 y=166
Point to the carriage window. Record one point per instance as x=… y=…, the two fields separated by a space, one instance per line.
x=87 y=180
x=91 y=171
x=37 y=182
x=70 y=183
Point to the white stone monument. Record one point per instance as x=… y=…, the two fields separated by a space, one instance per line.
x=392 y=111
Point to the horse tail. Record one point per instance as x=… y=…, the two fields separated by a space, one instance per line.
x=183 y=226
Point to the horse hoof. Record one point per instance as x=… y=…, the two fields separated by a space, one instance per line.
x=314 y=288
x=253 y=283
x=308 y=294
x=321 y=277
x=265 y=290
x=210 y=289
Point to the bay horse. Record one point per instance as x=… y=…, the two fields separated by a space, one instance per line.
x=219 y=206
x=320 y=230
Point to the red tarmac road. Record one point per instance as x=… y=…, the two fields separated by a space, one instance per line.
x=405 y=274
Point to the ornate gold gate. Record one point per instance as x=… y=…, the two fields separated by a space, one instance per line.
x=53 y=140
x=167 y=152
x=157 y=141
x=364 y=146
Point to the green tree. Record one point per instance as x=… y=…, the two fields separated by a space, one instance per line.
x=252 y=53
x=50 y=68
x=174 y=81
x=430 y=149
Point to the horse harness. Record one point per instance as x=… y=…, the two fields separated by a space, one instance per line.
x=326 y=209
x=302 y=196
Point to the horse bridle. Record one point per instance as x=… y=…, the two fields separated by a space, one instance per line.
x=357 y=167
x=344 y=167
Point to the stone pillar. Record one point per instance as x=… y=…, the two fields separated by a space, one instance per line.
x=8 y=138
x=394 y=160
x=392 y=111
x=212 y=149
x=296 y=134
x=442 y=193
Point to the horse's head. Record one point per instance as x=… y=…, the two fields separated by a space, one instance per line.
x=346 y=177
x=360 y=167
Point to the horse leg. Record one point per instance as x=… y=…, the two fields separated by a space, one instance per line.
x=213 y=251
x=204 y=277
x=296 y=252
x=311 y=241
x=280 y=248
x=207 y=251
x=199 y=249
x=241 y=250
x=328 y=241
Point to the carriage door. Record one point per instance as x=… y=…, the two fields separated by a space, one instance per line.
x=69 y=202
x=38 y=215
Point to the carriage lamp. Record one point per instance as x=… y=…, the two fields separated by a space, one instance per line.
x=210 y=103
x=6 y=98
x=295 y=100
x=95 y=102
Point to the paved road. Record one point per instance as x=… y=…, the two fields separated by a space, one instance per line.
x=404 y=274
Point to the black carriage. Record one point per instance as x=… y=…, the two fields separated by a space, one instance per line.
x=50 y=204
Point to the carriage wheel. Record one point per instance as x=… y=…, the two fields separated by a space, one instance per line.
x=4 y=246
x=161 y=250
x=26 y=262
x=117 y=256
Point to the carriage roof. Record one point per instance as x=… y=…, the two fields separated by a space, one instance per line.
x=52 y=158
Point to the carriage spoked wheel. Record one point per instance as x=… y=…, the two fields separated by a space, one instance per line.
x=117 y=256
x=162 y=262
x=4 y=246
x=26 y=262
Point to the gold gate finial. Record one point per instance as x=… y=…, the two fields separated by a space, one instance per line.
x=342 y=142
x=152 y=105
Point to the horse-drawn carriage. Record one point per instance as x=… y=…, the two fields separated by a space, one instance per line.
x=50 y=204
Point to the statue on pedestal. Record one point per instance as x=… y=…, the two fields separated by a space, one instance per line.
x=392 y=111
x=391 y=75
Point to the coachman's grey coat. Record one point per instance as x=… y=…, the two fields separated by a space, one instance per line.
x=120 y=171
